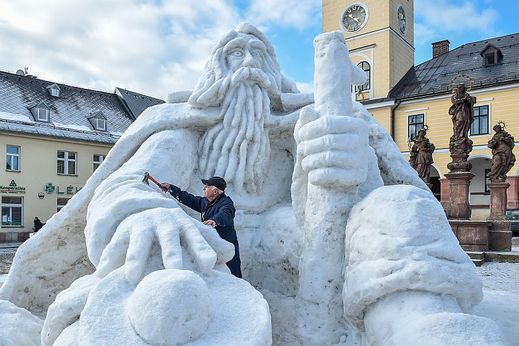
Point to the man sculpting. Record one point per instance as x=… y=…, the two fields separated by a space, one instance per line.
x=216 y=210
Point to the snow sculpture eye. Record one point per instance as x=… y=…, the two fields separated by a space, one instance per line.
x=237 y=53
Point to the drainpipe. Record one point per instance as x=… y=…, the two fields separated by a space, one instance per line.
x=392 y=120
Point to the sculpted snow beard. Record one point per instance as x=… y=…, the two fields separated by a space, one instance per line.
x=238 y=148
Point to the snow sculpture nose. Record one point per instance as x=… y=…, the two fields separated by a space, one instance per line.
x=248 y=60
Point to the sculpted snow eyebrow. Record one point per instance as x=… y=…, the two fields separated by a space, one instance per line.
x=327 y=214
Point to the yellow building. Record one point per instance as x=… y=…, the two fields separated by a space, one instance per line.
x=53 y=136
x=404 y=97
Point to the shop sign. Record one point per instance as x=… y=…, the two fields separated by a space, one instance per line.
x=12 y=188
x=61 y=190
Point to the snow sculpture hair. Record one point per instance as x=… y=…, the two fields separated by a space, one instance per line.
x=238 y=148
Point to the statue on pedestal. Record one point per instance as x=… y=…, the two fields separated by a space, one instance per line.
x=503 y=159
x=462 y=114
x=421 y=157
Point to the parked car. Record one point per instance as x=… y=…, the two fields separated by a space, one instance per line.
x=513 y=216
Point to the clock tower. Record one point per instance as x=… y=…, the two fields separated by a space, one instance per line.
x=380 y=37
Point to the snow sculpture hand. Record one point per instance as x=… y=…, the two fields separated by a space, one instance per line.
x=134 y=238
x=331 y=149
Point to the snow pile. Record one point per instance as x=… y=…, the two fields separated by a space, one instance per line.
x=18 y=326
x=16 y=117
x=501 y=299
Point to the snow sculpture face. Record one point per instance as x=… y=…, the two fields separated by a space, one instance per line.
x=240 y=77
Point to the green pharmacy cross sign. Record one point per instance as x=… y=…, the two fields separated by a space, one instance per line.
x=49 y=188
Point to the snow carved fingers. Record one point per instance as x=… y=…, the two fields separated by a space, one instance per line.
x=174 y=231
x=333 y=150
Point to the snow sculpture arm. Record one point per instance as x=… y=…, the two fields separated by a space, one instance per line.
x=407 y=281
x=125 y=217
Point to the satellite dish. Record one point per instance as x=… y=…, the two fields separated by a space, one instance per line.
x=20 y=73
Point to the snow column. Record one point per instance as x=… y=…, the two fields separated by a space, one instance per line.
x=328 y=204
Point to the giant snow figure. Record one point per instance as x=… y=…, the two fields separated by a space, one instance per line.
x=335 y=251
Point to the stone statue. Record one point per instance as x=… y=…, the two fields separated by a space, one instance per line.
x=325 y=242
x=462 y=112
x=421 y=155
x=503 y=159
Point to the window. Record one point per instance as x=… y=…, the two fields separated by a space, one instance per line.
x=66 y=163
x=98 y=121
x=12 y=158
x=491 y=55
x=414 y=124
x=480 y=123
x=98 y=159
x=41 y=112
x=60 y=203
x=54 y=90
x=366 y=67
x=100 y=124
x=490 y=58
x=12 y=211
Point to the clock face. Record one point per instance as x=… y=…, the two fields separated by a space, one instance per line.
x=402 y=20
x=354 y=17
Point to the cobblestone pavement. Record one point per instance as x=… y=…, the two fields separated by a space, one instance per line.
x=6 y=258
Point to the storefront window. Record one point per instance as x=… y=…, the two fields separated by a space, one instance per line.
x=12 y=211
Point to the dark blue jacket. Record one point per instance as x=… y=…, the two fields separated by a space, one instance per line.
x=221 y=211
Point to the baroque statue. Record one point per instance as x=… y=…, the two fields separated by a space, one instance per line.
x=462 y=114
x=328 y=215
x=421 y=155
x=503 y=159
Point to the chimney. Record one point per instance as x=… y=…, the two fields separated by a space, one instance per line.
x=440 y=48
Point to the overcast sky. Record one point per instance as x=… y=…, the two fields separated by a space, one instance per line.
x=155 y=47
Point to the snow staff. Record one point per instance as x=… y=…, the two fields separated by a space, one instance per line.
x=216 y=210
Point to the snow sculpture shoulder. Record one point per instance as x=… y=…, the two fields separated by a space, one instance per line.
x=126 y=245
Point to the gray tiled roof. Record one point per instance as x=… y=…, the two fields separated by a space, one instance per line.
x=69 y=113
x=433 y=76
x=51 y=131
x=136 y=103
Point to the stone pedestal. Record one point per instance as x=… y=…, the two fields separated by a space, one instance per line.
x=444 y=193
x=500 y=236
x=512 y=194
x=498 y=200
x=472 y=235
x=458 y=206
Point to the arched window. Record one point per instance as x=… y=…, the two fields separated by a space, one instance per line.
x=366 y=67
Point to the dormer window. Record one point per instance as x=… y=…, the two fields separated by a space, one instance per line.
x=98 y=121
x=41 y=112
x=490 y=59
x=54 y=90
x=491 y=55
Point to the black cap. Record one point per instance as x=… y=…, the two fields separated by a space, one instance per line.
x=218 y=182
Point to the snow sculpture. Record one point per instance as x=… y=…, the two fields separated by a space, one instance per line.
x=123 y=263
